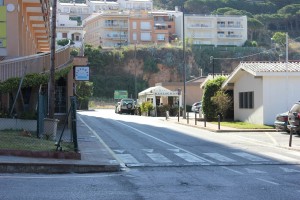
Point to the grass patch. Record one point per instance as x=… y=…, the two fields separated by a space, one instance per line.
x=16 y=140
x=243 y=125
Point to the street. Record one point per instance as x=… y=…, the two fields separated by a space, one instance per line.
x=165 y=160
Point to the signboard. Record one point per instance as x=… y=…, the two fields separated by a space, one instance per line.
x=82 y=73
x=120 y=94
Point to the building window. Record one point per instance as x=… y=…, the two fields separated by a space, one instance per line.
x=246 y=100
x=169 y=26
x=64 y=35
x=160 y=37
x=133 y=25
x=145 y=25
x=145 y=36
x=134 y=36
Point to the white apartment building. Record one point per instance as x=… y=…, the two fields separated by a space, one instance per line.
x=213 y=30
x=135 y=4
x=69 y=22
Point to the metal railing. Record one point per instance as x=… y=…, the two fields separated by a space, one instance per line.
x=38 y=63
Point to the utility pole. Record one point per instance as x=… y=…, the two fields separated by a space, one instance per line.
x=184 y=67
x=51 y=89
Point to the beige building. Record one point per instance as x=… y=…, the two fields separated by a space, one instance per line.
x=109 y=29
x=24 y=27
x=114 y=29
x=215 y=30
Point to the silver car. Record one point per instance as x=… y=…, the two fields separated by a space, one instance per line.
x=126 y=106
x=294 y=118
x=196 y=106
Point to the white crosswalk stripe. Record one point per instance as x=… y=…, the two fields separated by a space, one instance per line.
x=189 y=158
x=127 y=158
x=219 y=157
x=249 y=157
x=158 y=158
x=280 y=157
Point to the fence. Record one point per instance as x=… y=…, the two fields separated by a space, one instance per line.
x=38 y=63
x=41 y=135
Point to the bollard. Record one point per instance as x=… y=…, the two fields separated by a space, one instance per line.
x=178 y=113
x=167 y=115
x=195 y=118
x=204 y=121
x=187 y=117
x=219 y=122
x=291 y=134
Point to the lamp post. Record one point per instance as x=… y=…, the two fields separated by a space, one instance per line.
x=135 y=86
x=184 y=67
x=51 y=91
x=212 y=60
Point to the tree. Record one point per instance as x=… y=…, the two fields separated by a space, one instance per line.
x=209 y=108
x=84 y=90
x=279 y=38
x=223 y=102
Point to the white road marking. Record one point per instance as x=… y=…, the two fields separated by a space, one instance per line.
x=235 y=171
x=102 y=142
x=174 y=150
x=280 y=157
x=119 y=151
x=254 y=171
x=249 y=156
x=158 y=158
x=127 y=158
x=219 y=157
x=289 y=170
x=271 y=182
x=189 y=158
x=148 y=150
x=164 y=142
x=271 y=138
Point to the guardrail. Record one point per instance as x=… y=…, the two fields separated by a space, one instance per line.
x=37 y=63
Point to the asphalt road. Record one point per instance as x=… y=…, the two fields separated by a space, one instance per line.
x=163 y=160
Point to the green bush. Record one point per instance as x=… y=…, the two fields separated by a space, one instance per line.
x=146 y=107
x=209 y=108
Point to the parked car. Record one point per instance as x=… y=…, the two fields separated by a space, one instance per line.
x=126 y=106
x=294 y=118
x=281 y=122
x=196 y=106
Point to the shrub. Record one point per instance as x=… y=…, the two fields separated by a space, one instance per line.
x=146 y=107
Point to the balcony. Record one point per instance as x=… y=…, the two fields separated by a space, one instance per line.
x=38 y=63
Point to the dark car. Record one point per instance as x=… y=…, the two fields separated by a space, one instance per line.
x=294 y=118
x=281 y=122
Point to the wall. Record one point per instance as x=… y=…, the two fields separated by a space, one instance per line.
x=280 y=94
x=248 y=83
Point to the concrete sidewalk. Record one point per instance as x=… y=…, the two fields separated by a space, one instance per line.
x=97 y=157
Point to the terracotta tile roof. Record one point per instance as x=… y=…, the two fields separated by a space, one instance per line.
x=271 y=66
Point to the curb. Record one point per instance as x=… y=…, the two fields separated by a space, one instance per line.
x=41 y=154
x=46 y=168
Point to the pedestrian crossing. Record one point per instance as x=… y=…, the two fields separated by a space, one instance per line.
x=180 y=157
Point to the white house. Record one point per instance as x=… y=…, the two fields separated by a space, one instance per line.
x=263 y=89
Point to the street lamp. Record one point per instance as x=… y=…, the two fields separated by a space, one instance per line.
x=184 y=67
x=212 y=60
x=51 y=91
x=135 y=84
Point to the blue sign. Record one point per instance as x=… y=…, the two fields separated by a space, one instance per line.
x=82 y=73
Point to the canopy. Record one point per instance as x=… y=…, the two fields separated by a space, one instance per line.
x=155 y=91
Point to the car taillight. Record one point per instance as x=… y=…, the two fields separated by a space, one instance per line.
x=298 y=115
x=285 y=118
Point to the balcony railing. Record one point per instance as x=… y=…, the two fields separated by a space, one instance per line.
x=38 y=63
